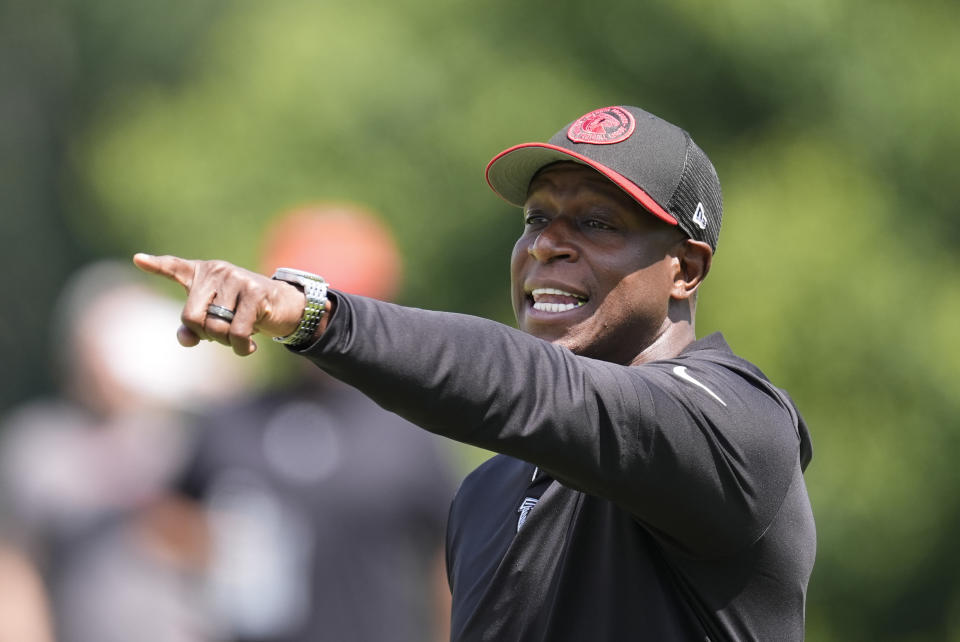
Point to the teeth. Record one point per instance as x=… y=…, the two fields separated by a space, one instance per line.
x=556 y=307
x=551 y=306
x=539 y=291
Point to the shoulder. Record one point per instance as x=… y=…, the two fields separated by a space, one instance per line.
x=709 y=375
x=710 y=386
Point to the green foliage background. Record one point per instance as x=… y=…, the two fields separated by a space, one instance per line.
x=182 y=127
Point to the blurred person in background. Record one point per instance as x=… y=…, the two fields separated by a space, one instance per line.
x=24 y=608
x=24 y=603
x=86 y=471
x=325 y=512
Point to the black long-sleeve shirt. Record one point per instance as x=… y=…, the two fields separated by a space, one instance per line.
x=664 y=501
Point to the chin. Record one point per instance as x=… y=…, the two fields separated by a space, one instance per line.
x=559 y=336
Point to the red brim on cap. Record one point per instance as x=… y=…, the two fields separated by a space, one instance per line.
x=509 y=174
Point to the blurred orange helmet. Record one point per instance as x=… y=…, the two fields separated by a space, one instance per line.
x=345 y=244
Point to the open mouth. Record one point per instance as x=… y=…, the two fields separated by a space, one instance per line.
x=554 y=300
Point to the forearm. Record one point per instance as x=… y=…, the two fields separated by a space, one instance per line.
x=470 y=379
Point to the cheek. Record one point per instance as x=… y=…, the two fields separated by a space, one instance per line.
x=517 y=261
x=649 y=288
x=519 y=250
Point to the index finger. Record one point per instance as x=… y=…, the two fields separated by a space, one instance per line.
x=172 y=267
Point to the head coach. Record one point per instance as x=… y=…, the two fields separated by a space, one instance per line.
x=649 y=485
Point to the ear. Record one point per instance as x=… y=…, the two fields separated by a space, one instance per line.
x=693 y=262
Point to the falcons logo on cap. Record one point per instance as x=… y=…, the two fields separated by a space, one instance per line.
x=602 y=126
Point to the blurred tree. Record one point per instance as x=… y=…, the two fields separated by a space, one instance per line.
x=59 y=61
x=813 y=284
x=36 y=60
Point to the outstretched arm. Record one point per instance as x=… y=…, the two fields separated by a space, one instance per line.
x=710 y=475
x=260 y=304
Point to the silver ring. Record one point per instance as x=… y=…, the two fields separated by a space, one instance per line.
x=220 y=312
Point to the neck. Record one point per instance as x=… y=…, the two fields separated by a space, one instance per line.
x=667 y=345
x=678 y=331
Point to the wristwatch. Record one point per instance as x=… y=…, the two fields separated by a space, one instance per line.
x=315 y=289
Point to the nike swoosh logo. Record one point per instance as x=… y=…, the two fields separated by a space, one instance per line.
x=681 y=371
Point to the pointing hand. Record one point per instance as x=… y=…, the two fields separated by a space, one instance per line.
x=259 y=303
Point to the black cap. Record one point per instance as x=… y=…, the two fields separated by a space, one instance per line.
x=656 y=163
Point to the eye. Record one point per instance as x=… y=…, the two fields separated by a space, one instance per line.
x=597 y=224
x=533 y=218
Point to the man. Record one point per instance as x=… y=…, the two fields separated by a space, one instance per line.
x=650 y=485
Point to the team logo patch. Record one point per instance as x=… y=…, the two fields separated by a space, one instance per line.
x=603 y=126
x=524 y=510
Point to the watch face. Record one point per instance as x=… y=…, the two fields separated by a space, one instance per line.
x=295 y=276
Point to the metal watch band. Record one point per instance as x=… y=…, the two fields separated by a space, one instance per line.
x=315 y=289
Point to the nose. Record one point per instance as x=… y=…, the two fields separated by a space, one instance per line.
x=554 y=243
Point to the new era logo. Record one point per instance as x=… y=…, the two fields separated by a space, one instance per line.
x=700 y=217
